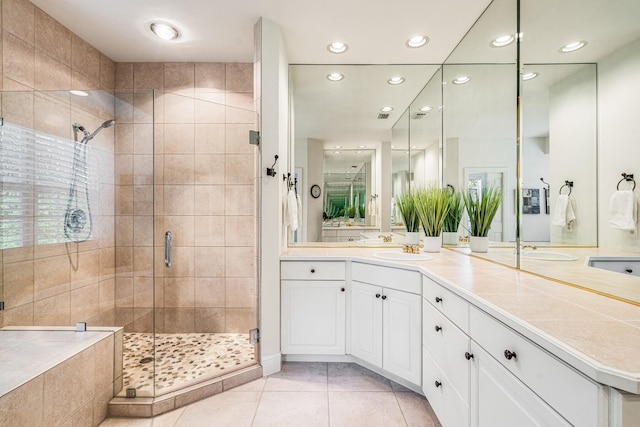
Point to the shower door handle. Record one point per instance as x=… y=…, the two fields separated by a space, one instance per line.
x=167 y=249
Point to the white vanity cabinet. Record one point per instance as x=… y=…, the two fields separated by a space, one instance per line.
x=512 y=361
x=313 y=296
x=385 y=319
x=446 y=354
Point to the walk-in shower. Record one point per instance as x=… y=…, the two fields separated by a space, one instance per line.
x=78 y=223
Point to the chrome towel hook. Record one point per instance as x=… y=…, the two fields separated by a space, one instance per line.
x=569 y=185
x=628 y=177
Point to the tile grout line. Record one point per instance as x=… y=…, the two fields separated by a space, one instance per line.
x=395 y=396
x=255 y=412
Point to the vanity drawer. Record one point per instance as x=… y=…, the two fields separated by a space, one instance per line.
x=447 y=345
x=448 y=303
x=312 y=270
x=573 y=395
x=388 y=277
x=447 y=404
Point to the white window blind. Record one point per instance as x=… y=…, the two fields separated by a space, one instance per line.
x=35 y=176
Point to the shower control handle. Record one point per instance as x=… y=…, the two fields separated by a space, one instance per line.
x=167 y=249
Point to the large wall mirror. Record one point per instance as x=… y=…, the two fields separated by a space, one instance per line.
x=457 y=124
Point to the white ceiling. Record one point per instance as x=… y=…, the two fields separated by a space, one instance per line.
x=222 y=30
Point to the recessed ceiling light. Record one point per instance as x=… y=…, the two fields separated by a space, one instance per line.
x=417 y=41
x=529 y=76
x=164 y=31
x=393 y=146
x=338 y=146
x=386 y=109
x=338 y=47
x=461 y=80
x=414 y=146
x=359 y=152
x=572 y=47
x=335 y=77
x=362 y=146
x=78 y=93
x=426 y=109
x=502 y=41
x=336 y=152
x=395 y=80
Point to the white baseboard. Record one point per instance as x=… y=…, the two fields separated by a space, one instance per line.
x=271 y=364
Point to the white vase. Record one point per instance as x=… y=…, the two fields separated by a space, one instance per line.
x=479 y=244
x=432 y=243
x=412 y=238
x=449 y=238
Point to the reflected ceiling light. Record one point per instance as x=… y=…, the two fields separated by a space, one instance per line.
x=337 y=47
x=386 y=109
x=164 y=30
x=426 y=109
x=396 y=80
x=338 y=146
x=461 y=80
x=572 y=47
x=336 y=152
x=414 y=146
x=78 y=93
x=417 y=41
x=529 y=76
x=393 y=146
x=362 y=146
x=359 y=152
x=335 y=77
x=502 y=41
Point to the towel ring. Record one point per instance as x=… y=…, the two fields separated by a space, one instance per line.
x=569 y=185
x=628 y=177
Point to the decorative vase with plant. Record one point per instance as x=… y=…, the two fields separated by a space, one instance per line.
x=432 y=205
x=481 y=210
x=407 y=208
x=452 y=221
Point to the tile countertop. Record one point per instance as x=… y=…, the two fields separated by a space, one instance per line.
x=597 y=335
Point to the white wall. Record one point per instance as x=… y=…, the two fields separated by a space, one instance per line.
x=273 y=100
x=619 y=136
x=572 y=142
x=315 y=175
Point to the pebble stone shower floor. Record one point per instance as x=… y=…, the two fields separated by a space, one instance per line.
x=181 y=359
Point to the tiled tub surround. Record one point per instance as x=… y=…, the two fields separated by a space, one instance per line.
x=181 y=359
x=596 y=335
x=58 y=377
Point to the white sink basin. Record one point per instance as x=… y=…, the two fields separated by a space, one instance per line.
x=547 y=255
x=402 y=256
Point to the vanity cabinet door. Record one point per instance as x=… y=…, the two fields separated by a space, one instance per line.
x=499 y=399
x=401 y=334
x=313 y=317
x=366 y=322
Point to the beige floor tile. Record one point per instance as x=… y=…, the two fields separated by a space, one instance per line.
x=255 y=385
x=126 y=422
x=366 y=409
x=299 y=376
x=225 y=409
x=416 y=410
x=169 y=419
x=284 y=409
x=352 y=377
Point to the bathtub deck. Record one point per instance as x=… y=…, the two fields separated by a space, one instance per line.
x=27 y=353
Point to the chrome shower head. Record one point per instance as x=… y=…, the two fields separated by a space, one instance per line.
x=89 y=136
x=108 y=123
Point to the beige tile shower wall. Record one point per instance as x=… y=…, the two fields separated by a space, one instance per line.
x=41 y=61
x=204 y=195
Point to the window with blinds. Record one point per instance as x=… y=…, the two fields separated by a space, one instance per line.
x=35 y=176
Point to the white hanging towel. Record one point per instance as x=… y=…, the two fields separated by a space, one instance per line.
x=623 y=210
x=560 y=214
x=292 y=210
x=570 y=216
x=299 y=209
x=372 y=208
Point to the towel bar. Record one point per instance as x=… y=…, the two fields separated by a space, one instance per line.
x=628 y=177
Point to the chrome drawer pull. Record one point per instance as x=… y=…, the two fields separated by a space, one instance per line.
x=468 y=355
x=509 y=354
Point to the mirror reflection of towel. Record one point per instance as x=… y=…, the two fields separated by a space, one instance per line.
x=291 y=210
x=623 y=210
x=564 y=214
